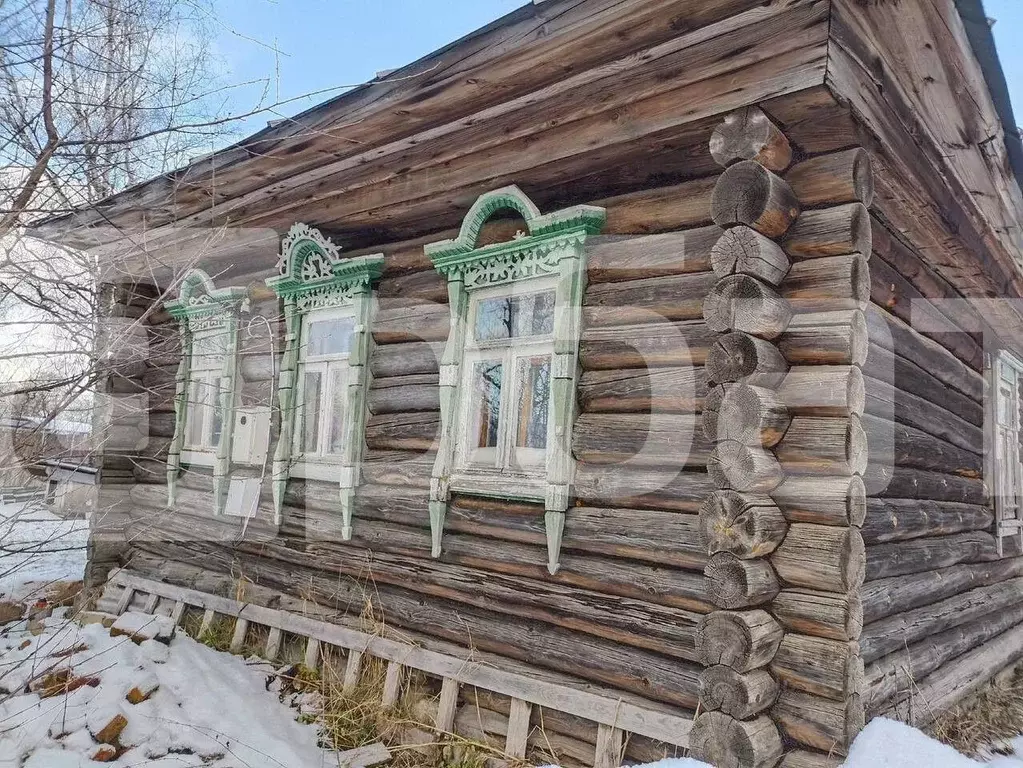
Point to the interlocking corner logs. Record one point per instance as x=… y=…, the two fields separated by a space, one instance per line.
x=785 y=393
x=553 y=245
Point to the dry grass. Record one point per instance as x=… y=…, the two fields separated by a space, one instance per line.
x=986 y=721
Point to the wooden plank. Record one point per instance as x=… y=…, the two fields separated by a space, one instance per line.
x=125 y=601
x=392 y=684
x=273 y=644
x=663 y=726
x=447 y=705
x=312 y=653
x=178 y=612
x=150 y=605
x=207 y=622
x=609 y=747
x=518 y=728
x=352 y=669
x=241 y=628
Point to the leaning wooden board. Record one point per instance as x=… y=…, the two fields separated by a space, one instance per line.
x=605 y=711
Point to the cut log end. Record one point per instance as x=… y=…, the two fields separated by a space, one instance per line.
x=750 y=469
x=738 y=356
x=742 y=525
x=741 y=695
x=743 y=250
x=733 y=583
x=748 y=193
x=721 y=740
x=830 y=232
x=743 y=303
x=749 y=134
x=742 y=640
x=752 y=415
x=841 y=177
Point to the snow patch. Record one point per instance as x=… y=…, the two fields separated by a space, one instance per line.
x=206 y=708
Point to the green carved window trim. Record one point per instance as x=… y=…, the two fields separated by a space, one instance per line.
x=313 y=276
x=553 y=246
x=201 y=307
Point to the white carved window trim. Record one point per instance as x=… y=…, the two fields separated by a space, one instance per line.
x=552 y=248
x=1007 y=462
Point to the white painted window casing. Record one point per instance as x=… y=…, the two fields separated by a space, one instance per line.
x=504 y=413
x=321 y=405
x=1008 y=462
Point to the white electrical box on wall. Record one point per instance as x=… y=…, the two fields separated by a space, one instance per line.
x=243 y=497
x=251 y=435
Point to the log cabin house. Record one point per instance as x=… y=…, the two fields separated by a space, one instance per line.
x=585 y=365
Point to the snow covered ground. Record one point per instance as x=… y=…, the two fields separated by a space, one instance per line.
x=38 y=548
x=206 y=708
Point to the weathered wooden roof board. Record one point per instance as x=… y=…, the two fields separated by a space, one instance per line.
x=641 y=60
x=575 y=100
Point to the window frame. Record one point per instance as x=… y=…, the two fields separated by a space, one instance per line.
x=317 y=465
x=553 y=248
x=204 y=452
x=312 y=279
x=204 y=311
x=1006 y=457
x=504 y=464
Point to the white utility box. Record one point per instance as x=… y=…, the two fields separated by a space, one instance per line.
x=251 y=435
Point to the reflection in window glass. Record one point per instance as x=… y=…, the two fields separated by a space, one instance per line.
x=208 y=350
x=310 y=412
x=486 y=392
x=194 y=413
x=214 y=409
x=329 y=337
x=506 y=317
x=337 y=412
x=533 y=375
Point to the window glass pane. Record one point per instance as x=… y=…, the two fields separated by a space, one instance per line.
x=309 y=428
x=194 y=413
x=216 y=412
x=208 y=351
x=506 y=317
x=486 y=402
x=329 y=337
x=337 y=412
x=533 y=380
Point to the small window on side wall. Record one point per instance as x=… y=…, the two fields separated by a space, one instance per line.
x=1007 y=390
x=509 y=371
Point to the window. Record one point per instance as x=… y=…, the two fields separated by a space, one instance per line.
x=1007 y=466
x=323 y=385
x=324 y=376
x=204 y=417
x=508 y=374
x=507 y=380
x=206 y=381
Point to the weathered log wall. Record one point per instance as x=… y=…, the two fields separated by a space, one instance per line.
x=627 y=607
x=937 y=593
